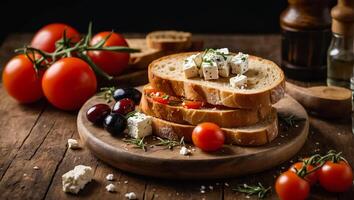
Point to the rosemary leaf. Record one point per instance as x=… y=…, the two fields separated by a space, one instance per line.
x=289 y=121
x=170 y=143
x=258 y=190
x=138 y=142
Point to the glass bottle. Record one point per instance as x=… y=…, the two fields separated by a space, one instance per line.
x=340 y=60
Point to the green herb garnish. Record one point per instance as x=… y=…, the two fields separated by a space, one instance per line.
x=107 y=93
x=131 y=114
x=170 y=143
x=258 y=190
x=138 y=142
x=289 y=121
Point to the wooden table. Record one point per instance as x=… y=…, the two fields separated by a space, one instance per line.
x=36 y=135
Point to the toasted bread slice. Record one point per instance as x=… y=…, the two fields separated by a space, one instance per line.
x=169 y=40
x=255 y=135
x=265 y=83
x=142 y=59
x=225 y=117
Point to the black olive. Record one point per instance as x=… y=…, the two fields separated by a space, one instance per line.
x=97 y=113
x=115 y=123
x=130 y=93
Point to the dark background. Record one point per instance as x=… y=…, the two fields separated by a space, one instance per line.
x=218 y=16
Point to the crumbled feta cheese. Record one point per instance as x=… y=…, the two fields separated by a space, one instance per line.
x=110 y=177
x=184 y=151
x=111 y=188
x=210 y=70
x=139 y=125
x=190 y=68
x=130 y=195
x=73 y=144
x=238 y=81
x=75 y=180
x=224 y=69
x=224 y=51
x=239 y=63
x=36 y=168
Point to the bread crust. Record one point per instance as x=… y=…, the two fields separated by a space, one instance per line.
x=229 y=118
x=245 y=136
x=169 y=44
x=215 y=96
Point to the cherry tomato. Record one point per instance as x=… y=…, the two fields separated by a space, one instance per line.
x=21 y=80
x=311 y=178
x=289 y=186
x=192 y=104
x=160 y=100
x=208 y=136
x=47 y=36
x=113 y=63
x=68 y=83
x=336 y=177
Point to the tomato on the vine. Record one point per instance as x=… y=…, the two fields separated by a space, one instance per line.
x=113 y=63
x=208 y=136
x=336 y=176
x=21 y=80
x=311 y=178
x=48 y=35
x=289 y=186
x=68 y=83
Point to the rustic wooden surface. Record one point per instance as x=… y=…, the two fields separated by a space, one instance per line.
x=36 y=135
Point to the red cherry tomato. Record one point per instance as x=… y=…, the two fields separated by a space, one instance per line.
x=47 y=36
x=21 y=80
x=68 y=83
x=208 y=136
x=160 y=99
x=311 y=178
x=192 y=104
x=336 y=177
x=289 y=186
x=113 y=63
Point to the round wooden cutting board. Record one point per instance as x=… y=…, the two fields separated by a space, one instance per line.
x=159 y=161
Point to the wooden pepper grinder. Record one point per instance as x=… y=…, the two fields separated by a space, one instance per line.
x=340 y=59
x=306 y=36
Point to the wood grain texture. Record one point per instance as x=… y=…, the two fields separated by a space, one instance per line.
x=16 y=122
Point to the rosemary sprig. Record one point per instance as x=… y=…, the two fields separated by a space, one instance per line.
x=258 y=190
x=170 y=143
x=138 y=142
x=131 y=114
x=289 y=121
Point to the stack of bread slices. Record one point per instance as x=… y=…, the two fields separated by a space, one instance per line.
x=245 y=113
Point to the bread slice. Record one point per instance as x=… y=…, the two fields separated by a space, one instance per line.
x=142 y=59
x=225 y=117
x=255 y=135
x=169 y=40
x=265 y=83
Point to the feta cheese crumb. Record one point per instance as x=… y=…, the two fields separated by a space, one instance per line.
x=110 y=177
x=190 y=67
x=73 y=144
x=130 y=195
x=239 y=63
x=111 y=188
x=36 y=168
x=184 y=151
x=75 y=180
x=238 y=81
x=139 y=125
x=210 y=70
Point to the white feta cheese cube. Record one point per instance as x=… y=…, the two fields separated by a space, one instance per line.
x=239 y=63
x=238 y=81
x=184 y=151
x=190 y=69
x=111 y=188
x=73 y=144
x=139 y=125
x=130 y=195
x=224 y=51
x=75 y=180
x=110 y=177
x=210 y=70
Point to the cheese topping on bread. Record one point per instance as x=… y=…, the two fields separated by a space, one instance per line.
x=212 y=64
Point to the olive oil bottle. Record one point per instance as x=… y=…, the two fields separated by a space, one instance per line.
x=340 y=56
